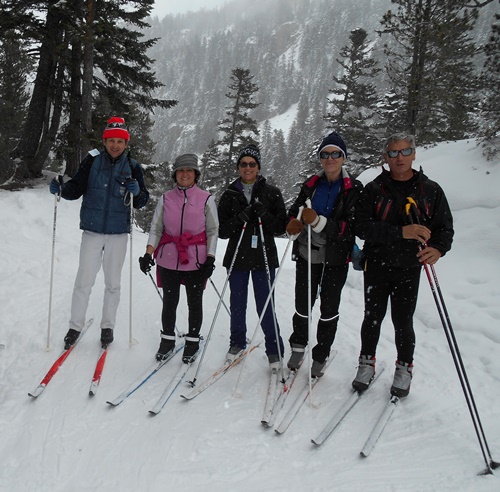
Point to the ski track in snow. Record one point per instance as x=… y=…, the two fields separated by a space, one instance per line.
x=67 y=441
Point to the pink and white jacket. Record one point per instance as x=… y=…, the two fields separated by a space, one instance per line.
x=184 y=228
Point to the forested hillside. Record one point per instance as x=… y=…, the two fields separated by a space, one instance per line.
x=292 y=48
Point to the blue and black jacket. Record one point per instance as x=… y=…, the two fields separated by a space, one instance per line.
x=100 y=180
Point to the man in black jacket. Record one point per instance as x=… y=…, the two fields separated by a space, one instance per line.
x=405 y=220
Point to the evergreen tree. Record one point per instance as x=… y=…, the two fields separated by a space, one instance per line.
x=353 y=112
x=238 y=128
x=214 y=170
x=266 y=141
x=84 y=50
x=277 y=169
x=489 y=82
x=15 y=67
x=430 y=66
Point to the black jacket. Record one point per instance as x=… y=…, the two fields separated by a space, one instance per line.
x=232 y=202
x=339 y=228
x=381 y=212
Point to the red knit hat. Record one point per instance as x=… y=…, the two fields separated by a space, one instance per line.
x=116 y=129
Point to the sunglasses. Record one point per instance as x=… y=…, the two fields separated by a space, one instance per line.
x=395 y=153
x=248 y=164
x=334 y=155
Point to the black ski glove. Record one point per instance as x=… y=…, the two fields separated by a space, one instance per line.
x=259 y=209
x=207 y=268
x=145 y=263
x=246 y=215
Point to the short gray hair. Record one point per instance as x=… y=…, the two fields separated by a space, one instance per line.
x=397 y=137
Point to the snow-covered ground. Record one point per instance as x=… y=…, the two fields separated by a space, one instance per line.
x=68 y=441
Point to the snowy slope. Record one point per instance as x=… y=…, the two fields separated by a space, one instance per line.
x=67 y=441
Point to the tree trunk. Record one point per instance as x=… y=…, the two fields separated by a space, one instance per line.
x=26 y=151
x=74 y=147
x=88 y=73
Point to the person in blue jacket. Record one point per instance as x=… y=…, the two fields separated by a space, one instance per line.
x=107 y=181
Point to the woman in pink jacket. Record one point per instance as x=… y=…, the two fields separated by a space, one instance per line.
x=183 y=240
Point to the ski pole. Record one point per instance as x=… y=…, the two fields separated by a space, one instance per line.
x=156 y=286
x=309 y=309
x=161 y=297
x=193 y=382
x=131 y=199
x=218 y=294
x=57 y=198
x=268 y=274
x=456 y=355
x=271 y=290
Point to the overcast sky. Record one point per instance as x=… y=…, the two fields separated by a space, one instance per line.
x=164 y=7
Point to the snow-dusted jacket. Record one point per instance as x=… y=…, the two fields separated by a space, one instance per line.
x=100 y=181
x=184 y=228
x=381 y=215
x=232 y=202
x=338 y=233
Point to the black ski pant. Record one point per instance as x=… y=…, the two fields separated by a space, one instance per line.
x=400 y=285
x=195 y=283
x=329 y=281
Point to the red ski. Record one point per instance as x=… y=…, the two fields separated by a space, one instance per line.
x=98 y=371
x=57 y=364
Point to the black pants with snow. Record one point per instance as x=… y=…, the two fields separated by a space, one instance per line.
x=171 y=282
x=401 y=286
x=329 y=280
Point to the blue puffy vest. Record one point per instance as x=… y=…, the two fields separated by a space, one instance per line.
x=103 y=209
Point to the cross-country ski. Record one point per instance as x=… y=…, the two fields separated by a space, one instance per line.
x=36 y=392
x=145 y=376
x=340 y=415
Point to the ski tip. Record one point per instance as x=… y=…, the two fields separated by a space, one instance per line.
x=37 y=391
x=152 y=412
x=316 y=443
x=363 y=454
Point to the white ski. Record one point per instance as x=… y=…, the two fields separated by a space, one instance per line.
x=170 y=389
x=272 y=391
x=354 y=397
x=379 y=426
x=300 y=399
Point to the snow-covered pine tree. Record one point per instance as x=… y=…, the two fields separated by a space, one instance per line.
x=430 y=66
x=238 y=127
x=489 y=82
x=354 y=104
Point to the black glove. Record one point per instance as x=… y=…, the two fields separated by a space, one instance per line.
x=207 y=268
x=246 y=215
x=259 y=209
x=357 y=258
x=146 y=262
x=55 y=185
